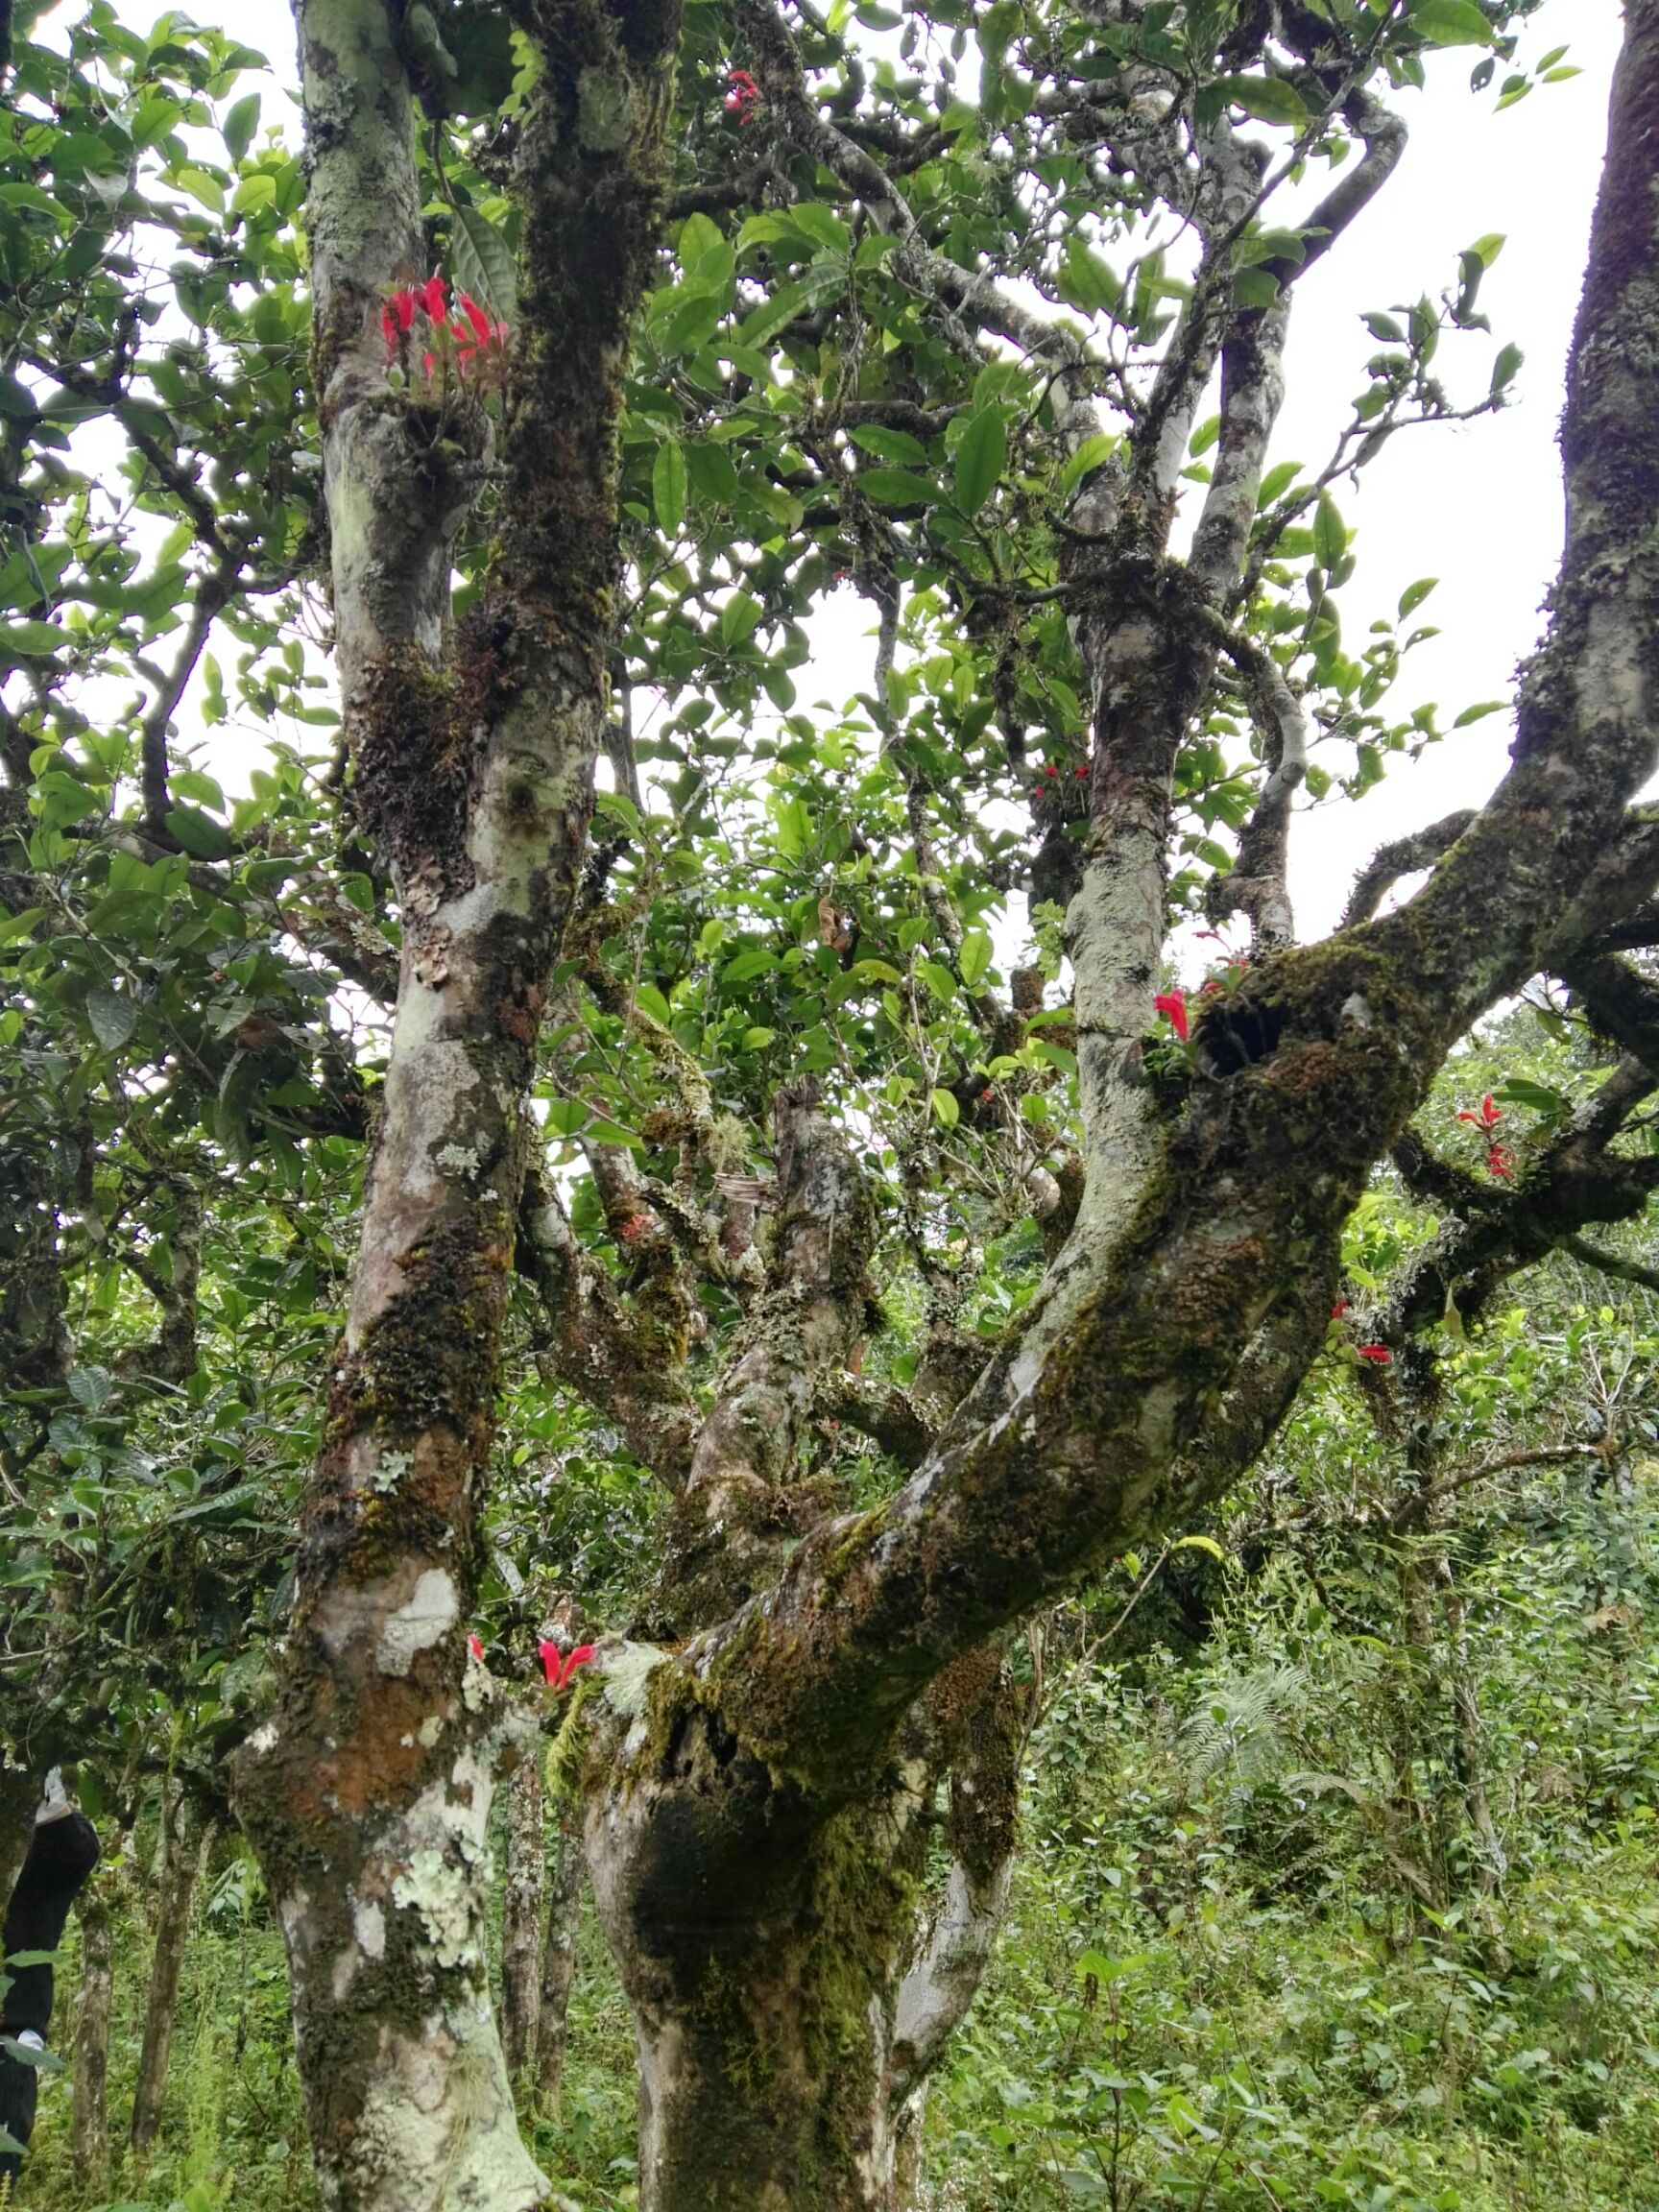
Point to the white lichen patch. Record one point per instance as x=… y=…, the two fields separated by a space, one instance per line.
x=431 y=1728
x=264 y=1737
x=346 y=1966
x=437 y=2128
x=458 y=1159
x=429 y=1614
x=369 y=1925
x=625 y=1669
x=444 y=1896
x=390 y=1471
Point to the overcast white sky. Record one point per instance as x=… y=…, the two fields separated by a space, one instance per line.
x=1477 y=505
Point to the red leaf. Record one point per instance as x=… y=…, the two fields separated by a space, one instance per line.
x=1173 y=1008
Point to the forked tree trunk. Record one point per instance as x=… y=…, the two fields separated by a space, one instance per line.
x=522 y=1913
x=788 y=2003
x=183 y=1852
x=89 y=2125
x=557 y=1958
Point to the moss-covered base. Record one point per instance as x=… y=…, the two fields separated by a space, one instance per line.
x=761 y=1939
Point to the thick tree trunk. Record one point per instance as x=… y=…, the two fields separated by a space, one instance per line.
x=90 y=2126
x=758 y=1947
x=366 y=1795
x=789 y=2002
x=558 y=1959
x=522 y=1913
x=182 y=1855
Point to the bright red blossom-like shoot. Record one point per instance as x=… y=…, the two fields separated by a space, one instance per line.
x=1172 y=1005
x=1339 y=1308
x=1488 y=1116
x=559 y=1670
x=743 y=96
x=475 y=1646
x=1499 y=1159
x=1378 y=1355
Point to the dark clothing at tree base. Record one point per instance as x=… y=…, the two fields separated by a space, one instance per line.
x=62 y=1854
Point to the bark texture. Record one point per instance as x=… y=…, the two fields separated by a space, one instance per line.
x=565 y=1879
x=521 y=1915
x=184 y=1847
x=366 y=1793
x=89 y=2123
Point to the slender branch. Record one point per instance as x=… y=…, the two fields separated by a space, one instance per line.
x=212 y=594
x=1404 y=858
x=1419 y=1507
x=882 y=1412
x=1612 y=1264
x=597 y=1348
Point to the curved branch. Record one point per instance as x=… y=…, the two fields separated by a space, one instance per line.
x=1404 y=858
x=597 y=1348
x=1079 y=1439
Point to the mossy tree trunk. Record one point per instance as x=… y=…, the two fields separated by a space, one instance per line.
x=182 y=1848
x=757 y=1780
x=367 y=1793
x=522 y=1913
x=566 y=1872
x=761 y=1781
x=90 y=2124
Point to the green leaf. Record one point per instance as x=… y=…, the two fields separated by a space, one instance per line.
x=981 y=460
x=1255 y=288
x=1414 y=595
x=201 y=836
x=897 y=487
x=254 y=193
x=737 y=619
x=938 y=979
x=1522 y=1090
x=565 y=1116
x=895 y=445
x=1269 y=99
x=111 y=1016
x=1086 y=282
x=822 y=227
x=974 y=957
x=668 y=486
x=1277 y=481
x=1330 y=538
x=1505 y=367
x=1450 y=23
x=482 y=263
x=241 y=121
x=200 y=186
x=1479 y=714
x=20 y=640
x=756 y=961
x=946 y=1111
x=1200 y=1543
x=1093 y=453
